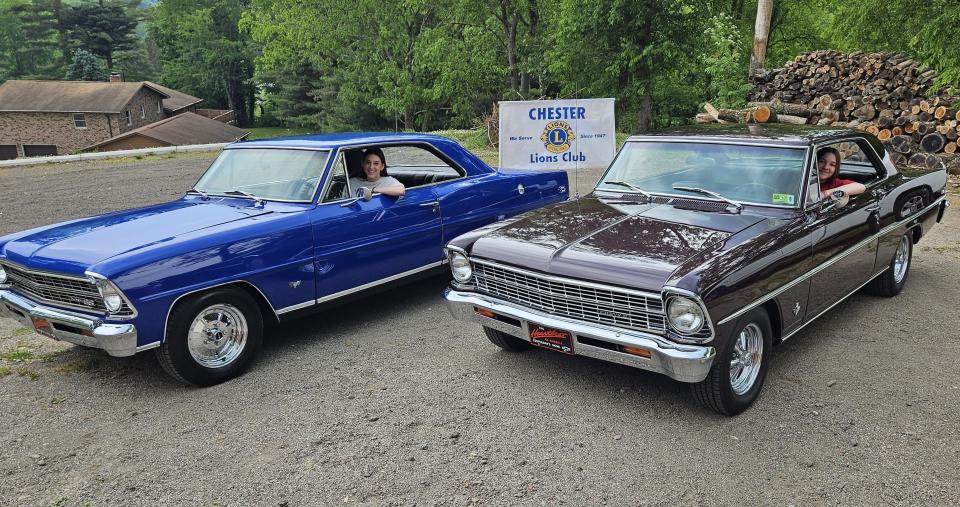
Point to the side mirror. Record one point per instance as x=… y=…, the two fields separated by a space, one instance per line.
x=363 y=194
x=834 y=202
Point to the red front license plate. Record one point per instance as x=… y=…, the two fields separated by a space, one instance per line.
x=550 y=338
x=42 y=326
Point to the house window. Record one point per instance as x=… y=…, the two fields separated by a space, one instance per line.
x=79 y=121
x=159 y=106
x=143 y=112
x=129 y=117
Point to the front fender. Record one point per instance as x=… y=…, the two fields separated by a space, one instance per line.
x=273 y=255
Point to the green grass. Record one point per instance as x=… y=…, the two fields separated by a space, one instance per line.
x=265 y=132
x=17 y=356
x=4 y=371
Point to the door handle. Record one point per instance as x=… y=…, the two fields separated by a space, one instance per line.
x=433 y=204
x=872 y=209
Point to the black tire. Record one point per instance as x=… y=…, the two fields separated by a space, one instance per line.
x=717 y=392
x=891 y=281
x=505 y=341
x=231 y=307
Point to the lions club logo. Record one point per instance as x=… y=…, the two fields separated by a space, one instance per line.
x=557 y=136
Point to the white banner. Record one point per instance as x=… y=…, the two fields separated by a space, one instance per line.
x=557 y=134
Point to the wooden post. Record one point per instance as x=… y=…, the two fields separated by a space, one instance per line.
x=760 y=32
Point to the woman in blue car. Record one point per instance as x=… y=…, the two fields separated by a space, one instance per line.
x=375 y=175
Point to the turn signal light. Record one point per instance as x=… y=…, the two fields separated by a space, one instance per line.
x=484 y=312
x=637 y=351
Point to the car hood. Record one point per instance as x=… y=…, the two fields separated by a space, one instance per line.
x=72 y=247
x=636 y=245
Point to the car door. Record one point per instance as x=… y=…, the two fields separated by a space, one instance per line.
x=360 y=244
x=845 y=246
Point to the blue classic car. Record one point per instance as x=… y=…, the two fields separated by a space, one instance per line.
x=271 y=230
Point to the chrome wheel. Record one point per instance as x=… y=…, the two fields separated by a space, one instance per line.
x=901 y=261
x=217 y=336
x=746 y=359
x=913 y=205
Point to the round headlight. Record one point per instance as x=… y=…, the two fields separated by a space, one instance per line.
x=461 y=268
x=111 y=298
x=685 y=315
x=3 y=275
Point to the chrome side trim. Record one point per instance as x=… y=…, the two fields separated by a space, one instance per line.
x=149 y=346
x=829 y=262
x=559 y=279
x=795 y=331
x=379 y=282
x=288 y=309
x=365 y=286
x=166 y=321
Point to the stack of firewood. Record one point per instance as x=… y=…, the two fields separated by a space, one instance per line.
x=888 y=95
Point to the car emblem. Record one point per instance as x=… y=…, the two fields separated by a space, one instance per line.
x=520 y=189
x=294 y=284
x=796 y=309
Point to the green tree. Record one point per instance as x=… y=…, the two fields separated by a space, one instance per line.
x=85 y=67
x=927 y=30
x=104 y=28
x=204 y=52
x=641 y=53
x=725 y=62
x=33 y=38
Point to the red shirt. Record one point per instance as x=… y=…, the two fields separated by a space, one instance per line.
x=837 y=182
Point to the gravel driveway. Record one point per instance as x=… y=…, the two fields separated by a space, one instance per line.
x=415 y=408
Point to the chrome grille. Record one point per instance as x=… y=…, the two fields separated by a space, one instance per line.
x=571 y=298
x=62 y=290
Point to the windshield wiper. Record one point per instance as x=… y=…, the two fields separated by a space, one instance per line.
x=630 y=186
x=256 y=199
x=711 y=193
x=203 y=195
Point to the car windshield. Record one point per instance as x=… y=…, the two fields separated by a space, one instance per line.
x=265 y=173
x=742 y=173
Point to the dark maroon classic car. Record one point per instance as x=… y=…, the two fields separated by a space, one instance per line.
x=697 y=251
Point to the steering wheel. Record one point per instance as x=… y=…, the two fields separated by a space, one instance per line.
x=307 y=187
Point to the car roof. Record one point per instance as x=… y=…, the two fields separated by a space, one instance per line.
x=754 y=133
x=328 y=141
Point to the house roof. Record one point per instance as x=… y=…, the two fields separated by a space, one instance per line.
x=177 y=100
x=69 y=96
x=182 y=129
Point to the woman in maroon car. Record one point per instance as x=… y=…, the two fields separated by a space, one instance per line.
x=828 y=166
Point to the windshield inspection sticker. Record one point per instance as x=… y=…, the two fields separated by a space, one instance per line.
x=783 y=199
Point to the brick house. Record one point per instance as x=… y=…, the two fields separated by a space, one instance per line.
x=184 y=128
x=63 y=117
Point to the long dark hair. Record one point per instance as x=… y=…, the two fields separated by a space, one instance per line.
x=379 y=154
x=836 y=155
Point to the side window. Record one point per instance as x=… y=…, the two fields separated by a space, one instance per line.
x=857 y=161
x=338 y=188
x=415 y=166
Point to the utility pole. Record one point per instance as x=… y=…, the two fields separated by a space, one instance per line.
x=760 y=32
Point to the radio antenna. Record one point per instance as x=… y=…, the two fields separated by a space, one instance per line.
x=496 y=106
x=576 y=141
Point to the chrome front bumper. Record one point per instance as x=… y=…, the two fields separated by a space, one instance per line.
x=685 y=363
x=116 y=339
